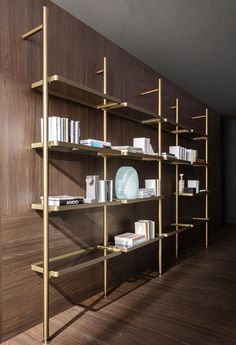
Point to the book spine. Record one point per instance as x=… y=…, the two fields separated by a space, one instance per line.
x=59 y=129
x=77 y=132
x=71 y=125
x=41 y=124
x=66 y=130
x=62 y=129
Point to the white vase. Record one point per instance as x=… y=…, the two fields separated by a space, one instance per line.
x=126 y=183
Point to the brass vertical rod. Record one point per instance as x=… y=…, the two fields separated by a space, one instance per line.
x=46 y=339
x=160 y=173
x=105 y=225
x=206 y=179
x=177 y=180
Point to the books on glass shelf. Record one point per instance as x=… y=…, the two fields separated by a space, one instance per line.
x=182 y=153
x=145 y=227
x=146 y=193
x=95 y=143
x=62 y=129
x=129 y=239
x=63 y=200
x=128 y=149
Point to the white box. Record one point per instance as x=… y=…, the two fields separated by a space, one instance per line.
x=145 y=227
x=194 y=184
x=153 y=184
x=143 y=143
x=177 y=151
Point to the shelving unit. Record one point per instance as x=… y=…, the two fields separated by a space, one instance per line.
x=70 y=90
x=180 y=226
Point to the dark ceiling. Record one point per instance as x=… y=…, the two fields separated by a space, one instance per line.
x=191 y=42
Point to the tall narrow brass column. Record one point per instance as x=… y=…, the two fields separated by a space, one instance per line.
x=160 y=173
x=45 y=181
x=105 y=225
x=177 y=180
x=206 y=180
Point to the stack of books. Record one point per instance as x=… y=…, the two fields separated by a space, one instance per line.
x=182 y=153
x=128 y=149
x=62 y=129
x=63 y=200
x=145 y=193
x=146 y=228
x=129 y=239
x=95 y=143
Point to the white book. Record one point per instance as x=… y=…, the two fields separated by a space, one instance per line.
x=143 y=143
x=62 y=129
x=77 y=132
x=53 y=128
x=58 y=129
x=72 y=131
x=145 y=227
x=66 y=130
x=129 y=239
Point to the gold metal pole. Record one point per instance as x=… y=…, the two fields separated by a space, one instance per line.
x=206 y=180
x=32 y=32
x=105 y=225
x=160 y=173
x=45 y=181
x=177 y=180
x=149 y=91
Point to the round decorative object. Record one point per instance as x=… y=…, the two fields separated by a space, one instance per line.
x=126 y=183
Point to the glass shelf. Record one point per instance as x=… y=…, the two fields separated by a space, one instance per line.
x=61 y=146
x=176 y=161
x=170 y=127
x=116 y=202
x=132 y=112
x=192 y=194
x=127 y=249
x=70 y=90
x=140 y=200
x=72 y=262
x=39 y=206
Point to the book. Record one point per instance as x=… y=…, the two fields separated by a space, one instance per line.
x=145 y=193
x=145 y=227
x=131 y=149
x=129 y=239
x=64 y=200
x=96 y=143
x=62 y=129
x=77 y=132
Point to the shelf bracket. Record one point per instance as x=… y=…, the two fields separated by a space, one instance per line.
x=32 y=32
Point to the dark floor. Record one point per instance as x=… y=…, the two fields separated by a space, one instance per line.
x=193 y=303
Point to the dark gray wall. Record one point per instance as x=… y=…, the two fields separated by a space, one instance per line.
x=191 y=42
x=229 y=170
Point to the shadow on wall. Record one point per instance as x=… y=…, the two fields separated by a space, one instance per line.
x=229 y=170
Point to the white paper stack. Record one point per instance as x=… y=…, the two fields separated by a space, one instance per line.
x=184 y=154
x=129 y=239
x=145 y=227
x=153 y=184
x=62 y=129
x=191 y=155
x=62 y=200
x=95 y=143
x=145 y=193
x=194 y=184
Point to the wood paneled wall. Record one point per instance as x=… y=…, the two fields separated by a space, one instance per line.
x=76 y=51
